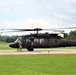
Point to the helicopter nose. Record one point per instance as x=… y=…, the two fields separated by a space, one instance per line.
x=11 y=45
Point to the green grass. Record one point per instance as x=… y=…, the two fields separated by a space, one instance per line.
x=38 y=65
x=5 y=46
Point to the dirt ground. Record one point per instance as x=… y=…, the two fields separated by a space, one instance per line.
x=14 y=52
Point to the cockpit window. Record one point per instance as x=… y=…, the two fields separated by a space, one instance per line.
x=17 y=41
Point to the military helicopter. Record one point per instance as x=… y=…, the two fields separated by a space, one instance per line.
x=42 y=40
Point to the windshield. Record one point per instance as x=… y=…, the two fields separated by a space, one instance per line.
x=17 y=41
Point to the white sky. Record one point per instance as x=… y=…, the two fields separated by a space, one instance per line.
x=37 y=13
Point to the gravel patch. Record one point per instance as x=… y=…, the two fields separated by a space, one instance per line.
x=14 y=52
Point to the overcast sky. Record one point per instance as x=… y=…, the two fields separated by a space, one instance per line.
x=37 y=13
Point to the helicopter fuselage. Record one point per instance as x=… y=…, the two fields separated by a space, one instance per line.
x=42 y=41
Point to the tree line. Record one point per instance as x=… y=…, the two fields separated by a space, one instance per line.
x=71 y=35
x=8 y=39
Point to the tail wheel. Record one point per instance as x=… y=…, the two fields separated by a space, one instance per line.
x=30 y=49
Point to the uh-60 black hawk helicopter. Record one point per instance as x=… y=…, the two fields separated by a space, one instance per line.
x=42 y=40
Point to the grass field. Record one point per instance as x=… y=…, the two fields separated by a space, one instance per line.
x=5 y=46
x=38 y=64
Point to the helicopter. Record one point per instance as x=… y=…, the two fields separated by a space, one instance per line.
x=42 y=40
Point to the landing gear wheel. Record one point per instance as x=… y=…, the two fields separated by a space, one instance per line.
x=30 y=49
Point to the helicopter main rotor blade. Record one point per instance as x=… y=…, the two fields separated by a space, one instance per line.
x=53 y=30
x=60 y=29
x=65 y=28
x=20 y=30
x=37 y=29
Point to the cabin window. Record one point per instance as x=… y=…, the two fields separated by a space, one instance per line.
x=36 y=40
x=27 y=40
x=41 y=41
